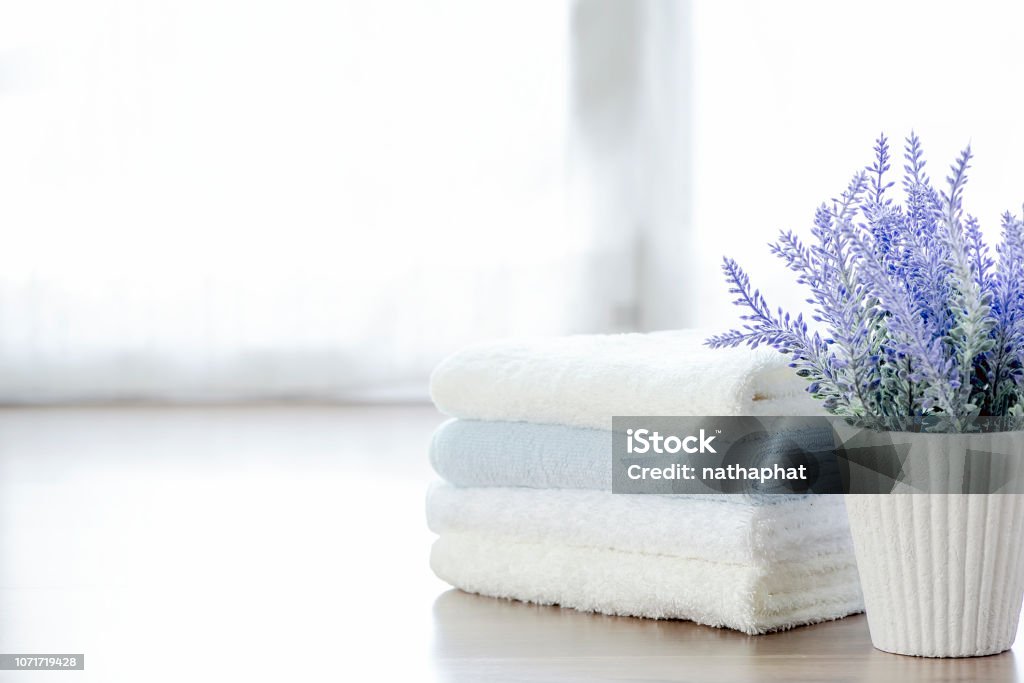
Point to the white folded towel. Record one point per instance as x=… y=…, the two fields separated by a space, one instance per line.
x=739 y=596
x=811 y=531
x=754 y=568
x=584 y=380
x=751 y=567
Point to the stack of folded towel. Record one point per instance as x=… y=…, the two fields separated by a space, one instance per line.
x=526 y=509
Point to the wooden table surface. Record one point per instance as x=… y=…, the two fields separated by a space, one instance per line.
x=480 y=638
x=280 y=543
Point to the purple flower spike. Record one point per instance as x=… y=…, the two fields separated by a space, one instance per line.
x=920 y=320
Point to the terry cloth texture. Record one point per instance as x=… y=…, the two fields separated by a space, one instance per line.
x=527 y=512
x=808 y=531
x=481 y=453
x=745 y=597
x=584 y=380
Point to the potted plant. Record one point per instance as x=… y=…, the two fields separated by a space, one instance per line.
x=922 y=337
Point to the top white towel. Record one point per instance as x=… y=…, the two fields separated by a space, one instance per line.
x=584 y=380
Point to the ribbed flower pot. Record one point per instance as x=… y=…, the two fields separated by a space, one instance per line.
x=942 y=573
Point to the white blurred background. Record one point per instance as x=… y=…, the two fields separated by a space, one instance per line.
x=221 y=200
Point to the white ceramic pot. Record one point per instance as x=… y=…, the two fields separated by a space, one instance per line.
x=942 y=572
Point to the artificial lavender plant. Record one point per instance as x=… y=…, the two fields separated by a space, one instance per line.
x=922 y=324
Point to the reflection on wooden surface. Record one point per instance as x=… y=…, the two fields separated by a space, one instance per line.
x=477 y=637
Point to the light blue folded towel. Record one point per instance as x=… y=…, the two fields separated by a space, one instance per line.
x=481 y=453
x=541 y=456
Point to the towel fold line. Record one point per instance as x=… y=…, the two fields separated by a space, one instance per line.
x=798 y=530
x=583 y=380
x=635 y=584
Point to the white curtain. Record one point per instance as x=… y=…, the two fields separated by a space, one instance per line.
x=215 y=199
x=631 y=133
